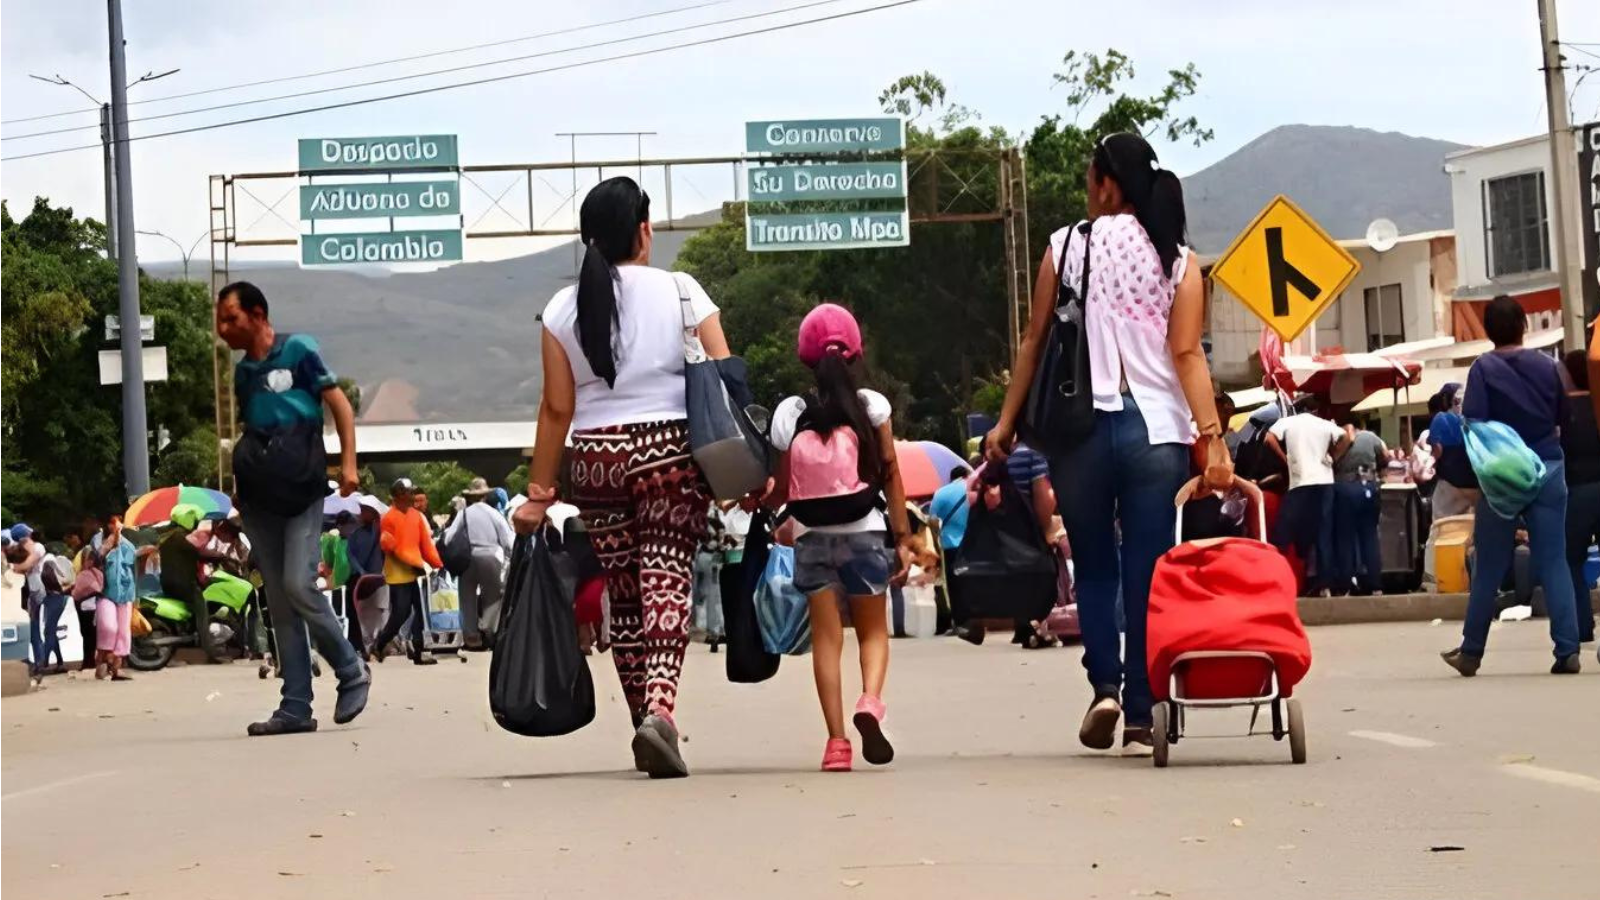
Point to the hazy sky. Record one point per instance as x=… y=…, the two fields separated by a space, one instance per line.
x=1461 y=70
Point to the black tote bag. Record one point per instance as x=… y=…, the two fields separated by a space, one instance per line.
x=748 y=661
x=1059 y=411
x=1005 y=568
x=539 y=682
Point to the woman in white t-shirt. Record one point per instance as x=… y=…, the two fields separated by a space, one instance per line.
x=613 y=353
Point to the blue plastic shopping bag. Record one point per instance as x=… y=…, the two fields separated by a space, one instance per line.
x=1509 y=473
x=781 y=609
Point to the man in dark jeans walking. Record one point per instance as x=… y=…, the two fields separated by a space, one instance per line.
x=282 y=386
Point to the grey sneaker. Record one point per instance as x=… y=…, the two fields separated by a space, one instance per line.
x=1099 y=728
x=1567 y=665
x=353 y=696
x=655 y=749
x=1466 y=665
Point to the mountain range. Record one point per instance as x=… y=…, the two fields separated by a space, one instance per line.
x=461 y=343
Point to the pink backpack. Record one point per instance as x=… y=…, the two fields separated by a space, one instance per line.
x=825 y=486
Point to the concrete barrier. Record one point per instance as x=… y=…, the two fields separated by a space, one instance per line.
x=1385 y=608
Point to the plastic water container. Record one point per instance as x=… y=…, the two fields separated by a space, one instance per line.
x=15 y=641
x=922 y=611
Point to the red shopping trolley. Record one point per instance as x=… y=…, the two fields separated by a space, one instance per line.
x=1224 y=631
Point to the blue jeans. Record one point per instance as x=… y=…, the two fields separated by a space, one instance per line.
x=44 y=614
x=1355 y=536
x=1494 y=540
x=1116 y=477
x=1583 y=526
x=287 y=551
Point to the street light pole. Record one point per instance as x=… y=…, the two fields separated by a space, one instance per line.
x=186 y=254
x=135 y=441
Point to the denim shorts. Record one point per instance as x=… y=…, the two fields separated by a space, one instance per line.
x=857 y=563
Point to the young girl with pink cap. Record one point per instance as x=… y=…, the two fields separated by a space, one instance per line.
x=840 y=480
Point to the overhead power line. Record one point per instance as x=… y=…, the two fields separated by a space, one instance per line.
x=462 y=68
x=651 y=51
x=382 y=62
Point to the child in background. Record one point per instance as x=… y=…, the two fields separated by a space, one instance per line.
x=838 y=474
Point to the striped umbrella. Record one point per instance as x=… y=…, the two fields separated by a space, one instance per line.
x=156 y=506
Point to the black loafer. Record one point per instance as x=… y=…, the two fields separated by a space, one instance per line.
x=277 y=724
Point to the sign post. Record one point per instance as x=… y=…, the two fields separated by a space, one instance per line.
x=381 y=201
x=1284 y=268
x=806 y=204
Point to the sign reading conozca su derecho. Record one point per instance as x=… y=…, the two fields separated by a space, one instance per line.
x=844 y=183
x=431 y=200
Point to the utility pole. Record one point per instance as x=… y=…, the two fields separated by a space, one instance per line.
x=135 y=440
x=1563 y=181
x=111 y=181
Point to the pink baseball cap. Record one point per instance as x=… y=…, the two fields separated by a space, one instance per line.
x=829 y=326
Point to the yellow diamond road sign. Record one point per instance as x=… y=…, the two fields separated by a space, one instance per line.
x=1285 y=268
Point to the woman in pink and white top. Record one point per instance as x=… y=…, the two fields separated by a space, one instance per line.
x=1153 y=397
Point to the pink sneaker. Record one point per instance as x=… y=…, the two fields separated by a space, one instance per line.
x=837 y=756
x=875 y=747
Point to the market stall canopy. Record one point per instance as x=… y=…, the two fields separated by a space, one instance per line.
x=1350 y=377
x=1442 y=348
x=1415 y=397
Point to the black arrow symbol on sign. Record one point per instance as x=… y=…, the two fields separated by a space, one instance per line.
x=1284 y=276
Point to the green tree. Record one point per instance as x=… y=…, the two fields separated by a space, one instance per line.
x=1060 y=146
x=60 y=433
x=191 y=459
x=440 y=481
x=517 y=481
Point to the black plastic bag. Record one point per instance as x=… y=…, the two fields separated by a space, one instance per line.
x=539 y=683
x=748 y=661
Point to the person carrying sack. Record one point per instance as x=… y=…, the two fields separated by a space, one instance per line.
x=613 y=353
x=488 y=534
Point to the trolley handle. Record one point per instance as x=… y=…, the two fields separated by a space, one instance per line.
x=1252 y=495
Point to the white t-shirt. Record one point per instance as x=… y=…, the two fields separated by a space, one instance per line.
x=1308 y=440
x=648 y=345
x=786 y=421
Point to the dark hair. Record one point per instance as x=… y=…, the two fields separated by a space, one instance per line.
x=958 y=474
x=835 y=404
x=1577 y=363
x=1504 y=321
x=609 y=225
x=1155 y=193
x=248 y=295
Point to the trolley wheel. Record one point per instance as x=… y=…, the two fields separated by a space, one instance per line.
x=1297 y=733
x=263 y=671
x=1158 y=734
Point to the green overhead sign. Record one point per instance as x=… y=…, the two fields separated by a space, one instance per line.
x=826 y=231
x=424 y=246
x=377 y=201
x=379 y=154
x=825 y=181
x=825 y=135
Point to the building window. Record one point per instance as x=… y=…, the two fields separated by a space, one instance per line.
x=1385 y=317
x=1515 y=233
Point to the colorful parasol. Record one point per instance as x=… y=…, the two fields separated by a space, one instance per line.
x=156 y=506
x=924 y=466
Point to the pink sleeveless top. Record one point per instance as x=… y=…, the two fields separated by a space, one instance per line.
x=1129 y=304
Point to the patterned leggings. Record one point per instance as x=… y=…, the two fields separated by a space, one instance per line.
x=645 y=505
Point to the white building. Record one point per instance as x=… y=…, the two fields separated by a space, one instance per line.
x=1502 y=203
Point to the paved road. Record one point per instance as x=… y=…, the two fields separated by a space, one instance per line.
x=152 y=790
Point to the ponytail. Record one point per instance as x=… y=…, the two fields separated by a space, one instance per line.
x=837 y=405
x=609 y=223
x=1155 y=193
x=597 y=313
